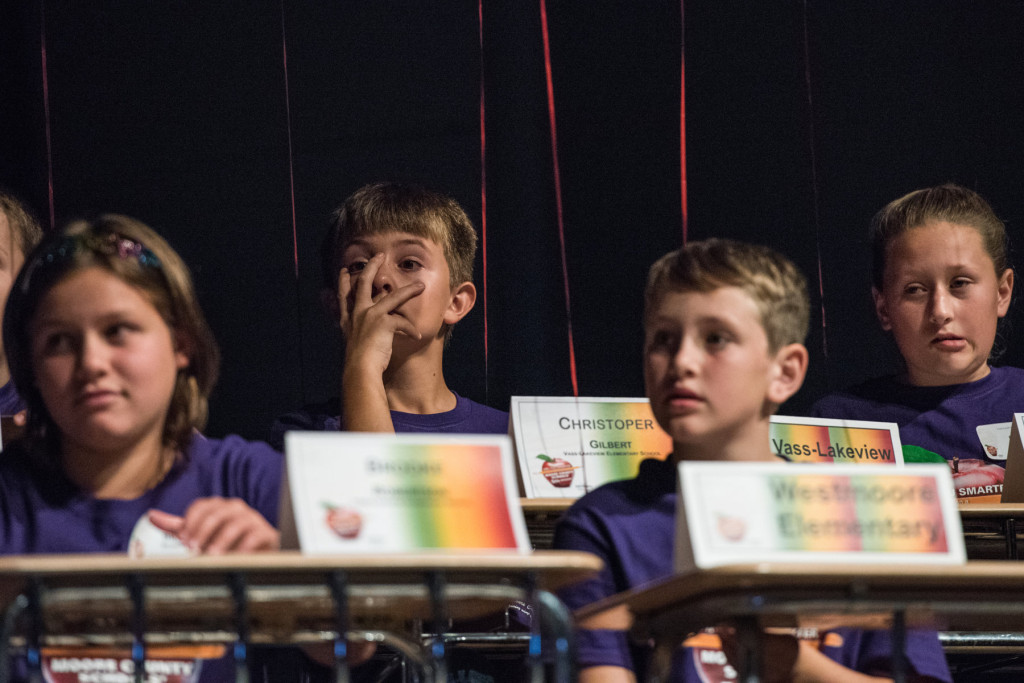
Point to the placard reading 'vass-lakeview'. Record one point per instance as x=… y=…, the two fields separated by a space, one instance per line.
x=813 y=439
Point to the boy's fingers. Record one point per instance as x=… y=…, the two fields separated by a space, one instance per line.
x=344 y=302
x=401 y=295
x=364 y=280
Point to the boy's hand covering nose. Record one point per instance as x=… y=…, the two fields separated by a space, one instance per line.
x=370 y=322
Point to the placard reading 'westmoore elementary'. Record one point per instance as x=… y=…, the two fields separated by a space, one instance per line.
x=567 y=446
x=743 y=512
x=352 y=492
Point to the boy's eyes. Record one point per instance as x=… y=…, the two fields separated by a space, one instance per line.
x=717 y=340
x=409 y=264
x=661 y=339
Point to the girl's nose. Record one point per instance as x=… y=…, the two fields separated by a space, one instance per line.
x=92 y=357
x=941 y=307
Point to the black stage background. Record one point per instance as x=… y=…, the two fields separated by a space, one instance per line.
x=802 y=119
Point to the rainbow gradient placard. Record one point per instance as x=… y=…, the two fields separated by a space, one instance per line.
x=567 y=446
x=812 y=439
x=741 y=512
x=367 y=493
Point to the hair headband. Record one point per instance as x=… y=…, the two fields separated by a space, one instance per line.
x=111 y=244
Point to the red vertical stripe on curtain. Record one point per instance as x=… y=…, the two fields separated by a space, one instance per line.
x=483 y=193
x=291 y=160
x=558 y=193
x=682 y=119
x=814 y=179
x=46 y=113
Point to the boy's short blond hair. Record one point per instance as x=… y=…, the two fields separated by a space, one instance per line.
x=398 y=207
x=776 y=285
x=24 y=226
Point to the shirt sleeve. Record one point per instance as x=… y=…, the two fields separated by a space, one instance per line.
x=594 y=647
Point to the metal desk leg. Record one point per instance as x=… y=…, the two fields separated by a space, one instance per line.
x=899 y=647
x=239 y=594
x=137 y=592
x=533 y=652
x=659 y=663
x=748 y=636
x=338 y=582
x=1011 y=539
x=557 y=625
x=436 y=586
x=34 y=651
x=11 y=614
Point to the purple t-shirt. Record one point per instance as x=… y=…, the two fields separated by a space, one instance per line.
x=10 y=401
x=943 y=420
x=630 y=525
x=467 y=417
x=39 y=515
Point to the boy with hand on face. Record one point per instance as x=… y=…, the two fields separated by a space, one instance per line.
x=402 y=257
x=724 y=324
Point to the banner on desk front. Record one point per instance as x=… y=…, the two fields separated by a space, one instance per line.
x=815 y=439
x=567 y=446
x=741 y=512
x=371 y=493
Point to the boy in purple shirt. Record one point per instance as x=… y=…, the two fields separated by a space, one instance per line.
x=398 y=270
x=724 y=325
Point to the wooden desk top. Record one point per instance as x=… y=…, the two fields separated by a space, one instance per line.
x=974 y=596
x=546 y=505
x=287 y=593
x=991 y=510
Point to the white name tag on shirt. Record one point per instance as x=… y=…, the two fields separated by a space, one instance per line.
x=742 y=512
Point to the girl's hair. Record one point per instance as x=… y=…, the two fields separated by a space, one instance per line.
x=950 y=203
x=142 y=259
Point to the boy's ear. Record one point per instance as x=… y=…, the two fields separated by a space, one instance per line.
x=880 y=310
x=463 y=300
x=790 y=370
x=1005 y=290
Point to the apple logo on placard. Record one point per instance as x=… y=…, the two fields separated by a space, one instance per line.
x=557 y=471
x=346 y=522
x=731 y=528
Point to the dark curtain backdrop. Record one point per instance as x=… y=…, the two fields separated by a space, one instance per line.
x=235 y=127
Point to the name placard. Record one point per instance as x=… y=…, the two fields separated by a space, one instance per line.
x=763 y=512
x=814 y=439
x=367 y=493
x=1013 y=482
x=567 y=446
